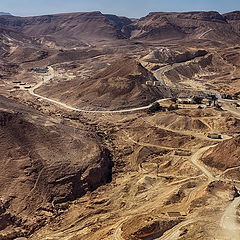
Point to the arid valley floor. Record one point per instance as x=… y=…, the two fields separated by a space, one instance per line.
x=85 y=154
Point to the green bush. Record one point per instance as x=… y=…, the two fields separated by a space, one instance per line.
x=218 y=107
x=174 y=100
x=197 y=100
x=155 y=107
x=173 y=107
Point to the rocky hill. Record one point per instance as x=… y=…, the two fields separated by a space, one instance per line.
x=234 y=19
x=43 y=164
x=166 y=55
x=226 y=155
x=11 y=39
x=120 y=85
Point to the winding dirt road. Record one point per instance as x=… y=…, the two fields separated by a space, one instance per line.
x=205 y=33
x=174 y=233
x=49 y=77
x=229 y=224
x=195 y=160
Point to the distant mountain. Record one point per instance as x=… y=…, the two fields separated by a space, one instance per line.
x=83 y=25
x=234 y=19
x=186 y=26
x=5 y=14
x=157 y=26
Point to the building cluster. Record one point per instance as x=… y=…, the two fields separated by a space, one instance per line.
x=153 y=83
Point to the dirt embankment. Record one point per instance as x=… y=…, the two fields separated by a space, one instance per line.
x=225 y=155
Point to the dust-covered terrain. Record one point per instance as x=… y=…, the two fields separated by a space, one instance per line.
x=120 y=129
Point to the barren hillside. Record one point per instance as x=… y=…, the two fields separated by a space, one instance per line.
x=92 y=25
x=225 y=156
x=121 y=85
x=86 y=151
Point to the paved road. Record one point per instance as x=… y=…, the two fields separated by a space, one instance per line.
x=52 y=74
x=92 y=111
x=159 y=75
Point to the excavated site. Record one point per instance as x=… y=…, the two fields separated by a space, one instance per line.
x=120 y=129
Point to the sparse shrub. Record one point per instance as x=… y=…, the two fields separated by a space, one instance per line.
x=214 y=99
x=197 y=100
x=156 y=107
x=156 y=67
x=236 y=95
x=173 y=107
x=218 y=107
x=227 y=96
x=174 y=100
x=237 y=105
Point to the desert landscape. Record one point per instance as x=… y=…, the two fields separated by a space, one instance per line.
x=115 y=128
